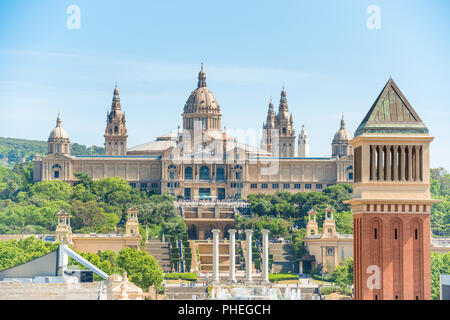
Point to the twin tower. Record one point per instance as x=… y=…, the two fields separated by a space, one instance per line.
x=279 y=134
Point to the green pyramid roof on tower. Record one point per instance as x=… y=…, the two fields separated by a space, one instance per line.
x=391 y=113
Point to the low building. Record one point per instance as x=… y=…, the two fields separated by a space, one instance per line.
x=94 y=242
x=328 y=248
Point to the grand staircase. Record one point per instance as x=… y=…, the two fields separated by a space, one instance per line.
x=283 y=258
x=160 y=251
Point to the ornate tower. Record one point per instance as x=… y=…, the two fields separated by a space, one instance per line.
x=391 y=201
x=132 y=225
x=58 y=140
x=340 y=146
x=329 y=226
x=63 y=231
x=116 y=131
x=303 y=143
x=285 y=126
x=311 y=227
x=268 y=126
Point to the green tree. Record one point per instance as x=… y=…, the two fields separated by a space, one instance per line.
x=142 y=268
x=343 y=273
x=440 y=265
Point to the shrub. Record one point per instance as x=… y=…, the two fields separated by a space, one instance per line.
x=282 y=276
x=182 y=276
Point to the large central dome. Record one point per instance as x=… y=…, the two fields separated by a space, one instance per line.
x=202 y=111
x=202 y=100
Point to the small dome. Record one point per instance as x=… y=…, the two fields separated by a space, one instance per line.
x=58 y=133
x=342 y=135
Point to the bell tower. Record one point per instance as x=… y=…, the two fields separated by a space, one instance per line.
x=311 y=227
x=63 y=232
x=116 y=131
x=132 y=225
x=391 y=201
x=329 y=226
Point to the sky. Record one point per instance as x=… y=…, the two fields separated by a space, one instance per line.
x=326 y=53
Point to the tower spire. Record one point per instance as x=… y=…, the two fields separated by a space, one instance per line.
x=58 y=120
x=201 y=78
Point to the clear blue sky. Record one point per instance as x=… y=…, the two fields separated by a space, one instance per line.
x=322 y=51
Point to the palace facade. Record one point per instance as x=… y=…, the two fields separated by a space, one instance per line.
x=202 y=160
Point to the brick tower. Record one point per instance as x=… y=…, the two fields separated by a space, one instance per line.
x=391 y=201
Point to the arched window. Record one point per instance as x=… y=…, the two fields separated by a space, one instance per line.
x=220 y=173
x=204 y=173
x=56 y=166
x=188 y=173
x=330 y=232
x=116 y=129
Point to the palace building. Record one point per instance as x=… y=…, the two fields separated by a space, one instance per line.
x=202 y=160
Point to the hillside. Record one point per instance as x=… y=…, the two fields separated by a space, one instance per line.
x=13 y=150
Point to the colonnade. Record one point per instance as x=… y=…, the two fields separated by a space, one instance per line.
x=396 y=162
x=232 y=253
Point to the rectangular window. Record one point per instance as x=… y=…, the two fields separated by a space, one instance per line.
x=143 y=186
x=275 y=186
x=286 y=186
x=329 y=185
x=154 y=185
x=172 y=175
x=56 y=174
x=133 y=185
x=319 y=186
x=375 y=233
x=253 y=186
x=308 y=186
x=297 y=186
x=264 y=186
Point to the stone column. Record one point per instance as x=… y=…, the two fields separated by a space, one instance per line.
x=232 y=249
x=402 y=163
x=215 y=233
x=372 y=163
x=388 y=163
x=417 y=160
x=248 y=263
x=410 y=163
x=265 y=271
x=380 y=163
x=395 y=162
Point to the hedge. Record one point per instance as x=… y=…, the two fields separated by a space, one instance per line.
x=282 y=276
x=182 y=276
x=319 y=277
